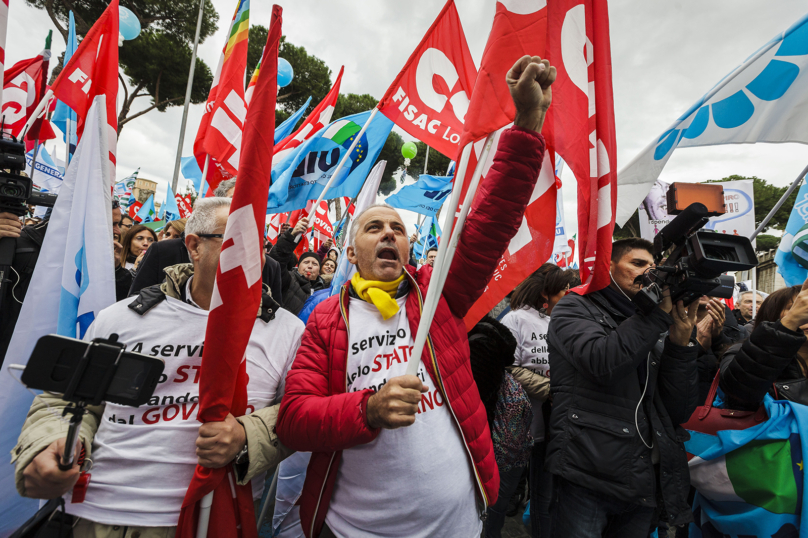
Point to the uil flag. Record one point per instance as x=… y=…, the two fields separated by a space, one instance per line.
x=316 y=120
x=146 y=213
x=583 y=119
x=430 y=96
x=219 y=134
x=92 y=71
x=235 y=300
x=765 y=99
x=23 y=89
x=425 y=196
x=519 y=28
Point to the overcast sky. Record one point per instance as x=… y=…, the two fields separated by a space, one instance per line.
x=665 y=56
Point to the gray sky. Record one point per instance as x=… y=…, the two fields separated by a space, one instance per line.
x=665 y=55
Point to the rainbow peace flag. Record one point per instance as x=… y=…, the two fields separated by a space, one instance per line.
x=239 y=29
x=750 y=482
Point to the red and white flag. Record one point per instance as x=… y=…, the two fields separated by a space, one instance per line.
x=349 y=207
x=430 y=96
x=322 y=229
x=583 y=111
x=184 y=206
x=23 y=88
x=519 y=28
x=219 y=133
x=92 y=71
x=316 y=120
x=274 y=226
x=235 y=300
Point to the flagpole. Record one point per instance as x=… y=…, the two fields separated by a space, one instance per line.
x=67 y=140
x=445 y=253
x=780 y=202
x=201 y=192
x=420 y=216
x=188 y=89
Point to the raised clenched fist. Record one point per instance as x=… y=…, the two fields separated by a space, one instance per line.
x=529 y=81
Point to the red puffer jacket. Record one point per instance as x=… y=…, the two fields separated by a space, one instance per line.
x=317 y=414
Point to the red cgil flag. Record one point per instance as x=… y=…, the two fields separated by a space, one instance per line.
x=519 y=29
x=430 y=96
x=583 y=109
x=235 y=300
x=23 y=89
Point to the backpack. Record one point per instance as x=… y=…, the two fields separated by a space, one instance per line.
x=510 y=431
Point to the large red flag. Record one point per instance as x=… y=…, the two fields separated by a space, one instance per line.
x=430 y=96
x=583 y=110
x=23 y=88
x=235 y=300
x=92 y=71
x=519 y=29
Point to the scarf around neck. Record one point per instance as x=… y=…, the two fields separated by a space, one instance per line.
x=380 y=294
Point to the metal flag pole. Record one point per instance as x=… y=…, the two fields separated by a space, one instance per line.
x=780 y=202
x=67 y=139
x=188 y=89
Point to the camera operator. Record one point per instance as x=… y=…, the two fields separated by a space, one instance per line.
x=622 y=383
x=144 y=458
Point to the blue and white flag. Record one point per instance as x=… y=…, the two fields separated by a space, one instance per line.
x=302 y=174
x=425 y=196
x=47 y=175
x=73 y=281
x=146 y=213
x=123 y=189
x=428 y=234
x=169 y=210
x=62 y=113
x=284 y=129
x=765 y=99
x=793 y=273
x=366 y=198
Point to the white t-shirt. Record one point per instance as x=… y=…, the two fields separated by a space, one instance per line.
x=144 y=458
x=410 y=482
x=529 y=327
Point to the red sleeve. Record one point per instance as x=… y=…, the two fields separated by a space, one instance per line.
x=310 y=419
x=495 y=216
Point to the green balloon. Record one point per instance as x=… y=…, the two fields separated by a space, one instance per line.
x=409 y=150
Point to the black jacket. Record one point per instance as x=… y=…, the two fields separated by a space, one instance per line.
x=708 y=359
x=170 y=252
x=600 y=360
x=749 y=369
x=295 y=287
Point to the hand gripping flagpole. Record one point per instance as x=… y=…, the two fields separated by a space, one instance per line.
x=446 y=249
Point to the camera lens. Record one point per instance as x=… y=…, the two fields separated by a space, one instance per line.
x=11 y=190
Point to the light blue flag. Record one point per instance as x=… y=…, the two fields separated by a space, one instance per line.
x=73 y=281
x=793 y=273
x=428 y=234
x=425 y=196
x=283 y=130
x=47 y=174
x=302 y=174
x=191 y=172
x=146 y=212
x=169 y=210
x=62 y=112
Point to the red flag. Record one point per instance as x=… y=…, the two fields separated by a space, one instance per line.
x=316 y=120
x=322 y=227
x=571 y=255
x=93 y=71
x=23 y=89
x=235 y=300
x=516 y=32
x=578 y=46
x=184 y=206
x=430 y=96
x=133 y=209
x=349 y=207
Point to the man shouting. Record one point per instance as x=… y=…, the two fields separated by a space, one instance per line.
x=398 y=455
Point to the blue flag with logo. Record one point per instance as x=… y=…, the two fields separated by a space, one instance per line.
x=169 y=210
x=793 y=273
x=425 y=196
x=62 y=113
x=146 y=212
x=283 y=130
x=303 y=173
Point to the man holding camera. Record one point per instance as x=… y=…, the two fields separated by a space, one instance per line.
x=622 y=383
x=143 y=458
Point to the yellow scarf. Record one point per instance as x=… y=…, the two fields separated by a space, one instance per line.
x=381 y=294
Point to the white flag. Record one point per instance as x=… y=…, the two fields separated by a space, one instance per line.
x=765 y=99
x=73 y=281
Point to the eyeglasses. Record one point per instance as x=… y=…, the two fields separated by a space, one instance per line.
x=208 y=236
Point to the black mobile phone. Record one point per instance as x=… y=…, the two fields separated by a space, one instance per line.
x=92 y=372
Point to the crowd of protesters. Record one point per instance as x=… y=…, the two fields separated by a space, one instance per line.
x=578 y=399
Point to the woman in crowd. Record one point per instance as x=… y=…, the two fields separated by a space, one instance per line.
x=173 y=229
x=492 y=348
x=327 y=270
x=126 y=224
x=531 y=304
x=774 y=359
x=135 y=242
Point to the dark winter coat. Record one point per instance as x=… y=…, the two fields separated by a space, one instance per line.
x=296 y=288
x=600 y=360
x=708 y=359
x=749 y=369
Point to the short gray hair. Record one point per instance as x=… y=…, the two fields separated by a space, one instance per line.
x=203 y=219
x=223 y=187
x=747 y=292
x=352 y=232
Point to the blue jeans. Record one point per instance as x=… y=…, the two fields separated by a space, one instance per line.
x=580 y=512
x=541 y=493
x=495 y=520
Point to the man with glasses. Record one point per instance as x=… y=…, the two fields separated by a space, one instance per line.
x=144 y=458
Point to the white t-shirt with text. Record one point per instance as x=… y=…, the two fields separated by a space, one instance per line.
x=144 y=457
x=412 y=482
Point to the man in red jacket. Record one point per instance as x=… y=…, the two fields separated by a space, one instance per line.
x=398 y=455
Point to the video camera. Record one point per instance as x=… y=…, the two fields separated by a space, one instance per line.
x=697 y=258
x=17 y=191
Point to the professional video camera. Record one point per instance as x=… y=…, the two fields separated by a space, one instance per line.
x=697 y=258
x=17 y=191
